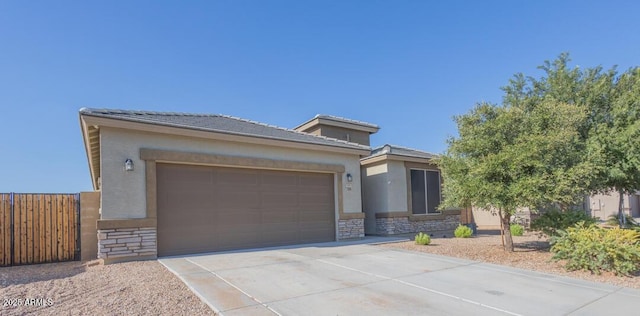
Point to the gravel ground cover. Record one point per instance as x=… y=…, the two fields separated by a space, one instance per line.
x=74 y=288
x=531 y=253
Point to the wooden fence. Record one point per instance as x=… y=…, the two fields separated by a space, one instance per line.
x=38 y=228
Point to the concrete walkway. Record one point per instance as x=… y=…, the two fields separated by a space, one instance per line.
x=359 y=278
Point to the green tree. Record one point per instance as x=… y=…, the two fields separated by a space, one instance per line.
x=615 y=138
x=611 y=129
x=530 y=151
x=506 y=158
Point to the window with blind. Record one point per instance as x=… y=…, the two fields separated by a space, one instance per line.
x=425 y=191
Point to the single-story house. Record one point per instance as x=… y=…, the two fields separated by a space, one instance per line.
x=176 y=183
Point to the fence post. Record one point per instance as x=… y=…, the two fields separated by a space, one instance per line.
x=12 y=229
x=78 y=236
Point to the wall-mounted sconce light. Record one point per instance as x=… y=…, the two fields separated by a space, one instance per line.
x=349 y=177
x=128 y=165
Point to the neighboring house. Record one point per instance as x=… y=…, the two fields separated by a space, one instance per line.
x=485 y=219
x=175 y=183
x=604 y=205
x=600 y=206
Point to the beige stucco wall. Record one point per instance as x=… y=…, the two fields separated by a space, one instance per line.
x=384 y=190
x=375 y=187
x=123 y=193
x=385 y=187
x=89 y=207
x=374 y=193
x=341 y=133
x=485 y=219
x=397 y=187
x=489 y=219
x=604 y=205
x=634 y=205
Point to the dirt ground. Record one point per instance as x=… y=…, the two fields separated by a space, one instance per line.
x=531 y=253
x=73 y=288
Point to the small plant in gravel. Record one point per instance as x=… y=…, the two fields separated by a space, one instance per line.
x=550 y=222
x=463 y=232
x=516 y=230
x=596 y=249
x=422 y=239
x=614 y=220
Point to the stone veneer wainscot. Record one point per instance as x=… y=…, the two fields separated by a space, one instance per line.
x=404 y=225
x=350 y=228
x=121 y=243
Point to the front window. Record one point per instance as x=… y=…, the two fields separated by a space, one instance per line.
x=425 y=191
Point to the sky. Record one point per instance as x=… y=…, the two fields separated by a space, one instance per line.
x=408 y=66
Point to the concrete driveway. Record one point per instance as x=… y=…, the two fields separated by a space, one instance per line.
x=360 y=278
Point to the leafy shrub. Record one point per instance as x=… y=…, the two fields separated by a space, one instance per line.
x=550 y=222
x=463 y=232
x=614 y=220
x=422 y=239
x=589 y=247
x=516 y=230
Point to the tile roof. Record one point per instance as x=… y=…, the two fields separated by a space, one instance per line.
x=219 y=123
x=400 y=151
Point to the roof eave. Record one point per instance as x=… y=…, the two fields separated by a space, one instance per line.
x=102 y=120
x=88 y=144
x=327 y=121
x=387 y=157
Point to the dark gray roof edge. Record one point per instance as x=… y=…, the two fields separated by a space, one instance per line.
x=339 y=119
x=97 y=113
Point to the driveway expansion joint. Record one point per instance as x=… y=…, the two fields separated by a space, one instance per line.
x=234 y=286
x=593 y=301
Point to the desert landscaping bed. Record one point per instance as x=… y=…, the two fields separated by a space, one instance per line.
x=531 y=253
x=74 y=288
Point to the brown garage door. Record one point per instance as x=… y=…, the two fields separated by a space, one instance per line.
x=202 y=208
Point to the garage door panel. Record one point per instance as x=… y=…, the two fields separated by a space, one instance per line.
x=227 y=208
x=239 y=239
x=233 y=218
x=286 y=216
x=315 y=229
x=312 y=237
x=279 y=200
x=229 y=177
x=316 y=179
x=172 y=243
x=238 y=230
x=305 y=217
x=175 y=200
x=189 y=174
x=281 y=237
x=307 y=199
x=237 y=199
x=279 y=179
x=270 y=227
